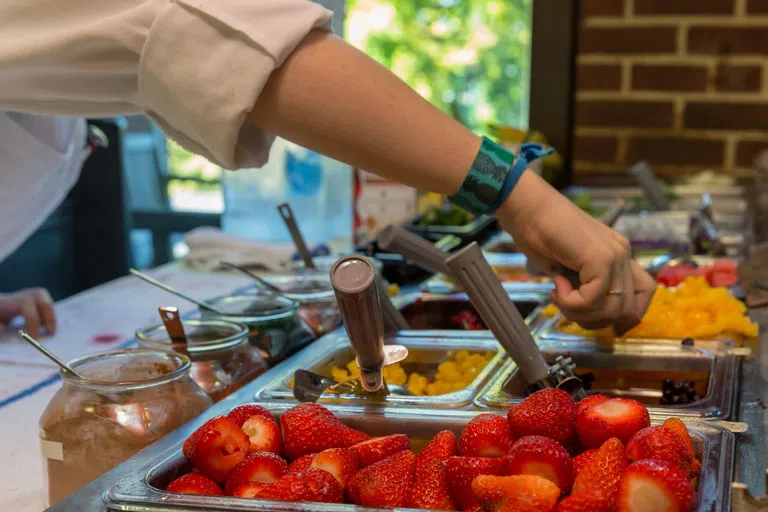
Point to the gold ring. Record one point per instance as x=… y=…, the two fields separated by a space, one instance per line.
x=615 y=292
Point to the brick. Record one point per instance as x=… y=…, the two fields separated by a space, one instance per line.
x=726 y=116
x=757 y=6
x=678 y=7
x=595 y=8
x=669 y=78
x=728 y=40
x=598 y=77
x=595 y=149
x=676 y=151
x=628 y=40
x=747 y=151
x=732 y=78
x=625 y=113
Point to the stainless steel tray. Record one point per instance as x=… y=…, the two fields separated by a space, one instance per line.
x=637 y=372
x=141 y=490
x=424 y=356
x=441 y=283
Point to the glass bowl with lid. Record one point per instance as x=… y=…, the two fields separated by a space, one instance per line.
x=223 y=360
x=127 y=400
x=274 y=326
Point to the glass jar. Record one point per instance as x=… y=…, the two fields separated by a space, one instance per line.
x=222 y=359
x=314 y=293
x=274 y=327
x=127 y=400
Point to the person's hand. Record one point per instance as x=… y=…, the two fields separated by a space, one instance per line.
x=34 y=304
x=554 y=233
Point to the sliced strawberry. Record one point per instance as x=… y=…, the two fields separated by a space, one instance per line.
x=460 y=471
x=324 y=485
x=342 y=463
x=194 y=483
x=263 y=434
x=216 y=448
x=291 y=487
x=723 y=273
x=604 y=471
x=430 y=488
x=487 y=435
x=379 y=448
x=260 y=467
x=244 y=412
x=518 y=493
x=662 y=444
x=590 y=501
x=302 y=463
x=678 y=427
x=615 y=417
x=590 y=401
x=582 y=460
x=474 y=508
x=248 y=490
x=549 y=413
x=541 y=456
x=655 y=486
x=311 y=428
x=384 y=484
x=441 y=447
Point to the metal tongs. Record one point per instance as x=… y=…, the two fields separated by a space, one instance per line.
x=503 y=319
x=644 y=176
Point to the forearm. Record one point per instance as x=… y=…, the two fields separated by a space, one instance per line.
x=333 y=99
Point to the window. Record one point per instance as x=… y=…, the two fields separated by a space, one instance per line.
x=194 y=183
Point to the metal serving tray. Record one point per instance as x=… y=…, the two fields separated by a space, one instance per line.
x=424 y=355
x=142 y=490
x=476 y=230
x=637 y=372
x=501 y=262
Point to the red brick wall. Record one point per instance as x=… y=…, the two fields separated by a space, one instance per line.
x=682 y=84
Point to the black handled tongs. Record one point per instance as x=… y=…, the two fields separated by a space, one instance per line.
x=503 y=319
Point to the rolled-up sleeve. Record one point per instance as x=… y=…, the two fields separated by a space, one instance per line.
x=196 y=67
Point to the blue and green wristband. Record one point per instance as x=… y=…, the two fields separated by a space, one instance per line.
x=493 y=176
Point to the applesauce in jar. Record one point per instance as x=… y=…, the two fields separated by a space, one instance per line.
x=127 y=400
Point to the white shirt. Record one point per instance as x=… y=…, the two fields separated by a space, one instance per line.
x=195 y=67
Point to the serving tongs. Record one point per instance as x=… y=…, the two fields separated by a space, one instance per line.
x=644 y=176
x=506 y=323
x=355 y=284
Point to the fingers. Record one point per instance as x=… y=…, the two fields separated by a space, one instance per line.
x=45 y=308
x=645 y=287
x=35 y=305
x=31 y=316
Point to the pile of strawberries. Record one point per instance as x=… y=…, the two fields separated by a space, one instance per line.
x=548 y=455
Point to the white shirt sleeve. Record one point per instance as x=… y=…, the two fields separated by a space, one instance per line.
x=196 y=67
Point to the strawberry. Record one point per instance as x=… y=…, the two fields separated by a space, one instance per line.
x=441 y=447
x=655 y=486
x=662 y=444
x=380 y=448
x=541 y=456
x=430 y=488
x=194 y=483
x=460 y=471
x=582 y=460
x=487 y=435
x=324 y=485
x=216 y=447
x=260 y=467
x=549 y=413
x=385 y=483
x=475 y=508
x=290 y=487
x=604 y=471
x=311 y=428
x=342 y=463
x=678 y=427
x=615 y=417
x=518 y=493
x=590 y=401
x=263 y=434
x=590 y=501
x=244 y=412
x=248 y=490
x=302 y=463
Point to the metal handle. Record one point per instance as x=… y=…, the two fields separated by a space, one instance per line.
x=647 y=180
x=498 y=311
x=298 y=240
x=173 y=325
x=413 y=247
x=393 y=320
x=612 y=215
x=167 y=288
x=64 y=366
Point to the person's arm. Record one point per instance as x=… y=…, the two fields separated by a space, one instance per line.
x=34 y=305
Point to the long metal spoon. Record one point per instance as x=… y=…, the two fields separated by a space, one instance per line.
x=174 y=291
x=262 y=282
x=309 y=386
x=64 y=366
x=286 y=213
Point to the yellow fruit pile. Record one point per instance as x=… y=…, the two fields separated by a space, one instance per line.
x=455 y=374
x=692 y=309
